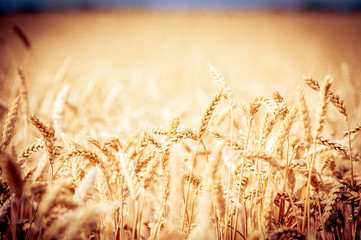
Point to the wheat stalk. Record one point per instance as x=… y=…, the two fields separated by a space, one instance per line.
x=320 y=122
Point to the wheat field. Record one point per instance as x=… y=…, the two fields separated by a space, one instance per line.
x=189 y=154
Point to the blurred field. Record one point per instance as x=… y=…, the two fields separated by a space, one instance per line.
x=144 y=128
x=162 y=58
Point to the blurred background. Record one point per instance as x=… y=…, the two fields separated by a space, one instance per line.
x=36 y=5
x=149 y=60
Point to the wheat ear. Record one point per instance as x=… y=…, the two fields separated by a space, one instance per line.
x=356 y=129
x=48 y=134
x=26 y=152
x=268 y=123
x=306 y=122
x=334 y=98
x=284 y=131
x=208 y=114
x=8 y=130
x=237 y=146
x=222 y=84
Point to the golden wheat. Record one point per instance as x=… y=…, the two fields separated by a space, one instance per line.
x=172 y=182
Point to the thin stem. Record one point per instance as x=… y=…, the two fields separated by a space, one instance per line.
x=282 y=205
x=356 y=223
x=121 y=204
x=31 y=222
x=229 y=180
x=320 y=215
x=135 y=220
x=159 y=223
x=189 y=185
x=51 y=172
x=294 y=209
x=242 y=169
x=141 y=214
x=307 y=202
x=352 y=177
x=219 y=236
x=240 y=234
x=191 y=214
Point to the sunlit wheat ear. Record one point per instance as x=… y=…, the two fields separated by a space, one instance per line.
x=239 y=185
x=255 y=105
x=107 y=151
x=159 y=131
x=145 y=141
x=174 y=125
x=355 y=130
x=113 y=143
x=208 y=114
x=26 y=152
x=75 y=168
x=93 y=159
x=166 y=155
x=331 y=144
x=267 y=127
x=306 y=122
x=251 y=154
x=321 y=117
x=48 y=134
x=58 y=109
x=236 y=145
x=277 y=105
x=277 y=97
x=334 y=98
x=172 y=140
x=226 y=92
x=8 y=129
x=284 y=131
